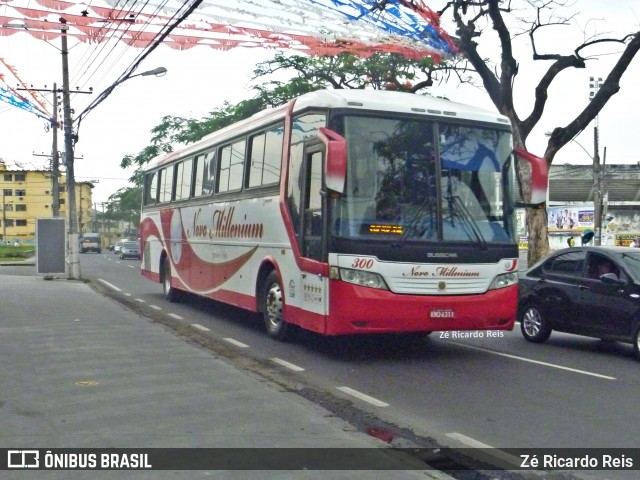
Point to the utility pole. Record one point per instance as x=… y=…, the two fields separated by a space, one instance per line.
x=594 y=86
x=597 y=191
x=73 y=237
x=4 y=219
x=55 y=159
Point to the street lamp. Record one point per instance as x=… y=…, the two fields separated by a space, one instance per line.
x=70 y=138
x=156 y=72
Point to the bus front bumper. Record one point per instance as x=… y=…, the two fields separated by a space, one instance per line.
x=354 y=309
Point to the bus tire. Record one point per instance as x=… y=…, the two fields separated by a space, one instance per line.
x=273 y=308
x=170 y=293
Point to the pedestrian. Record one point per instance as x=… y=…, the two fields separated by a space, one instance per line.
x=571 y=242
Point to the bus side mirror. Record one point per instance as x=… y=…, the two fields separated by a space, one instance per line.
x=335 y=162
x=539 y=179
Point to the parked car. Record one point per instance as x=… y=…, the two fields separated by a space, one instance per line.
x=130 y=250
x=589 y=291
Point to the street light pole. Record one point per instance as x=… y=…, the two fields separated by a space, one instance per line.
x=594 y=86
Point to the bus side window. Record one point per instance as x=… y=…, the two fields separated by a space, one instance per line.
x=204 y=178
x=151 y=189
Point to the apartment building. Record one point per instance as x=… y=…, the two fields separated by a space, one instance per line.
x=26 y=195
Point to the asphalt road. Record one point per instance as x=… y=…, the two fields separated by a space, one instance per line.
x=500 y=391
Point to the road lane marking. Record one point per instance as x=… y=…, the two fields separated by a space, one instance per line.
x=538 y=362
x=467 y=440
x=177 y=317
x=290 y=366
x=362 y=396
x=494 y=452
x=130 y=266
x=236 y=343
x=155 y=307
x=128 y=294
x=197 y=326
x=140 y=300
x=110 y=285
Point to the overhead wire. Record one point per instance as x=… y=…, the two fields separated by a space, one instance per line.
x=157 y=41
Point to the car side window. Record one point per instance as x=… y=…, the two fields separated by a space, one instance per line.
x=598 y=265
x=569 y=264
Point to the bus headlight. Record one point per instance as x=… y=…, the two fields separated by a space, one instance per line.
x=365 y=279
x=504 y=280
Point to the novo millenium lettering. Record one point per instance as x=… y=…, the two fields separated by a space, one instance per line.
x=223 y=226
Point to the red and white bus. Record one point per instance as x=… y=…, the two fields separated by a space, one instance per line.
x=345 y=212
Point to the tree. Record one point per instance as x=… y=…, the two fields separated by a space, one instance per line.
x=476 y=21
x=124 y=205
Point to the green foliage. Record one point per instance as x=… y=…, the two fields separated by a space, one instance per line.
x=18 y=253
x=125 y=204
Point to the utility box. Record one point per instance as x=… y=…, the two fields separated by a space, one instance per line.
x=50 y=246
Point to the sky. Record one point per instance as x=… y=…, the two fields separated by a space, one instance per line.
x=201 y=79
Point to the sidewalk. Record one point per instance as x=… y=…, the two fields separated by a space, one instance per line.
x=79 y=370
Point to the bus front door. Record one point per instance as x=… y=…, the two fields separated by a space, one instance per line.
x=312 y=245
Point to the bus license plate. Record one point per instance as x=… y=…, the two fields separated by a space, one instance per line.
x=442 y=313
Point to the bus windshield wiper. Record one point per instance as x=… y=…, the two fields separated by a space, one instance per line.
x=457 y=205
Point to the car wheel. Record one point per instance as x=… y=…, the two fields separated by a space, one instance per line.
x=636 y=342
x=170 y=293
x=273 y=305
x=533 y=324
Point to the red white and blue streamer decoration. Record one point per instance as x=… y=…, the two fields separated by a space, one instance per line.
x=314 y=27
x=10 y=95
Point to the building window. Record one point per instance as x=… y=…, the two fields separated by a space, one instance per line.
x=8 y=207
x=21 y=193
x=7 y=192
x=20 y=177
x=21 y=223
x=62 y=202
x=8 y=223
x=21 y=207
x=8 y=177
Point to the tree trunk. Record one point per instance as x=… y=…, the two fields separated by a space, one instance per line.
x=538 y=237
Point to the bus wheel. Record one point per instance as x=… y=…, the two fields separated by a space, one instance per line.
x=273 y=305
x=170 y=293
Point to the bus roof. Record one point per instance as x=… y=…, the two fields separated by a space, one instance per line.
x=381 y=100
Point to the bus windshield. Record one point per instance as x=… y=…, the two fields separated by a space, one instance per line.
x=421 y=180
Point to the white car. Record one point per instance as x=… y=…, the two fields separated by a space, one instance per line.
x=118 y=248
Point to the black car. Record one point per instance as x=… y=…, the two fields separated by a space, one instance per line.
x=590 y=291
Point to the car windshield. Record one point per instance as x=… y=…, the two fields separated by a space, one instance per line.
x=632 y=262
x=131 y=245
x=419 y=180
